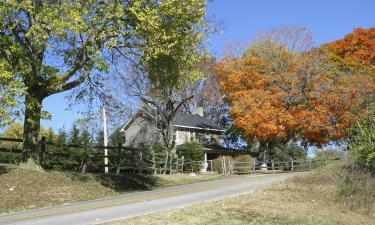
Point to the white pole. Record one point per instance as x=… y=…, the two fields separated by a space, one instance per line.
x=205 y=164
x=105 y=141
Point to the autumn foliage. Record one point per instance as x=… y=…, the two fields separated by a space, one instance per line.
x=357 y=48
x=277 y=95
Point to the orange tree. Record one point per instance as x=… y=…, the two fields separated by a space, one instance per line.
x=356 y=49
x=277 y=95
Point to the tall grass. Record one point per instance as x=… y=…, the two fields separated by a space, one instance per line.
x=356 y=188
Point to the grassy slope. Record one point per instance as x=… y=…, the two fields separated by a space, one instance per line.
x=304 y=199
x=23 y=189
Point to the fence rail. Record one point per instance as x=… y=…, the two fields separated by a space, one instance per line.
x=121 y=159
x=90 y=157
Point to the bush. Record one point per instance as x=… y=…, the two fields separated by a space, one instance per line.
x=243 y=158
x=217 y=163
x=191 y=152
x=329 y=154
x=244 y=161
x=362 y=145
x=282 y=153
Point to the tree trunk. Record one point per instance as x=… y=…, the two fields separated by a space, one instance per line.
x=264 y=151
x=33 y=109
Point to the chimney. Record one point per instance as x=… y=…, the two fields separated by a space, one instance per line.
x=197 y=111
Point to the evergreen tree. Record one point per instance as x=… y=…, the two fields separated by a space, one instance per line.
x=99 y=138
x=115 y=138
x=74 y=136
x=62 y=137
x=50 y=135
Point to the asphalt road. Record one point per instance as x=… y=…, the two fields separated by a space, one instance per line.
x=141 y=203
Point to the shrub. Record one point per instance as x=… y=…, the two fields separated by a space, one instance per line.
x=243 y=161
x=191 y=152
x=362 y=145
x=282 y=153
x=329 y=154
x=217 y=163
x=243 y=158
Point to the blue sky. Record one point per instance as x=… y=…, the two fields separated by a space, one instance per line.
x=326 y=19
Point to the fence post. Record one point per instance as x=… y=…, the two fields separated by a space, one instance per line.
x=309 y=162
x=231 y=166
x=212 y=169
x=225 y=166
x=133 y=160
x=292 y=169
x=166 y=162
x=118 y=159
x=254 y=165
x=42 y=151
x=273 y=166
x=140 y=168
x=171 y=164
x=153 y=161
x=84 y=158
x=182 y=164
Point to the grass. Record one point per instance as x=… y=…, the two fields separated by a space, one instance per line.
x=313 y=198
x=22 y=189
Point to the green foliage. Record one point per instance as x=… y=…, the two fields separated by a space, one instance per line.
x=158 y=148
x=362 y=145
x=328 y=154
x=284 y=153
x=192 y=152
x=10 y=92
x=172 y=32
x=115 y=138
x=54 y=46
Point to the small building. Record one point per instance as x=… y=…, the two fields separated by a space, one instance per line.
x=140 y=130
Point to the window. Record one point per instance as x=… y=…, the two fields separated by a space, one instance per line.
x=207 y=138
x=192 y=136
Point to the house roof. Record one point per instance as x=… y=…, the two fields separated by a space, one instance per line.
x=195 y=121
x=183 y=120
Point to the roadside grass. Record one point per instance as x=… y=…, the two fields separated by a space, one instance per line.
x=315 y=197
x=22 y=189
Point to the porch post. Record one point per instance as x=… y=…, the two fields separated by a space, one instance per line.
x=205 y=164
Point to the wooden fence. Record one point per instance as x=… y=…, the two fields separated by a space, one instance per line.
x=90 y=158
x=223 y=166
x=276 y=166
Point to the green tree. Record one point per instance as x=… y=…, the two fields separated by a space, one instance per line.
x=54 y=46
x=284 y=153
x=362 y=143
x=62 y=137
x=115 y=138
x=74 y=135
x=99 y=138
x=40 y=38
x=10 y=92
x=191 y=152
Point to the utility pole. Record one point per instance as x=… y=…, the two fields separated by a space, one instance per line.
x=105 y=141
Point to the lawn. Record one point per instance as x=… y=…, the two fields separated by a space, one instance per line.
x=312 y=198
x=24 y=189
